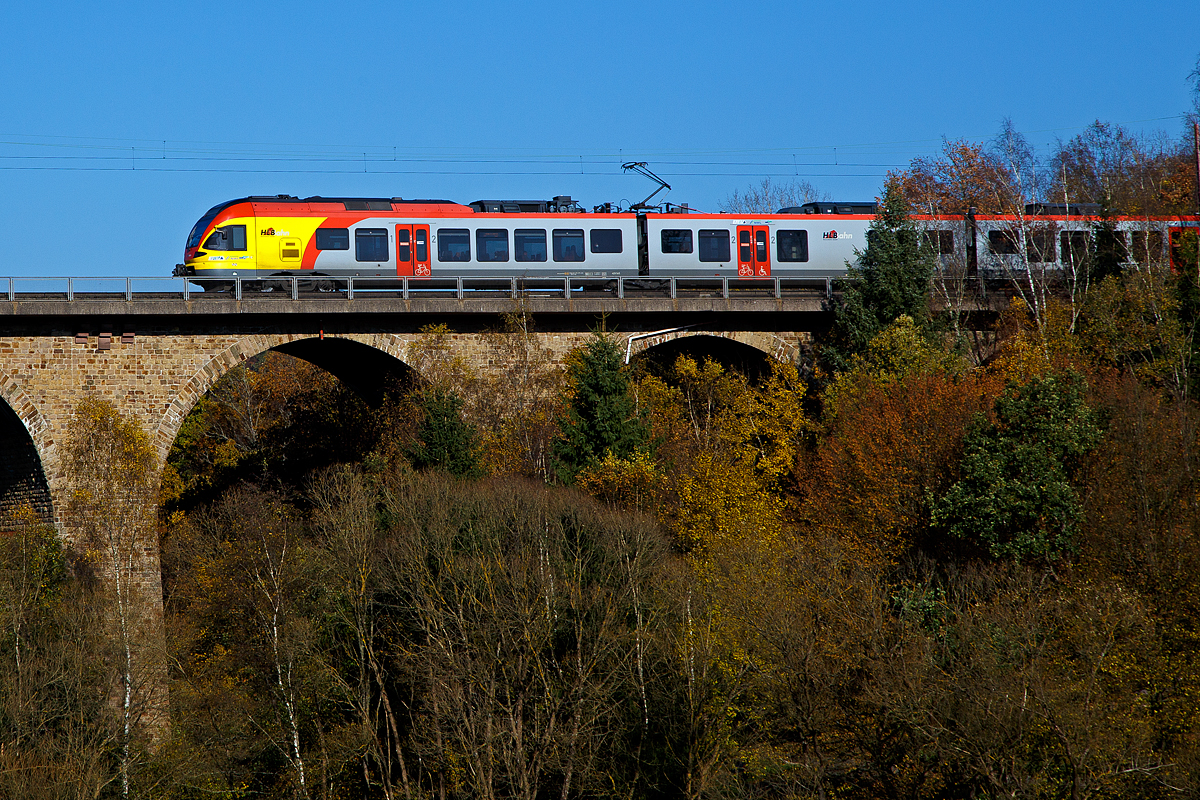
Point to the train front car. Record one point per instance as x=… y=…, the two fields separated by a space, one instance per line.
x=221 y=245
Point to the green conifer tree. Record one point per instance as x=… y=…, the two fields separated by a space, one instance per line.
x=891 y=279
x=444 y=441
x=602 y=417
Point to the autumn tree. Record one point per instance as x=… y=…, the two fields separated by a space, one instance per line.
x=532 y=637
x=891 y=441
x=1128 y=174
x=112 y=471
x=262 y=708
x=966 y=175
x=57 y=728
x=272 y=421
x=517 y=407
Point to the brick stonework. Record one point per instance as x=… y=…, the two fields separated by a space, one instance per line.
x=162 y=372
x=158 y=374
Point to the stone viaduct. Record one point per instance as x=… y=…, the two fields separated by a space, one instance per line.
x=155 y=356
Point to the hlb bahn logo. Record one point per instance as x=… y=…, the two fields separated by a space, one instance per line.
x=267 y=232
x=836 y=235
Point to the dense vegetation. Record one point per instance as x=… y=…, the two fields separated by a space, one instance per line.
x=936 y=561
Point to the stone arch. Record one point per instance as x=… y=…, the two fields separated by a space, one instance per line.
x=387 y=346
x=28 y=456
x=763 y=345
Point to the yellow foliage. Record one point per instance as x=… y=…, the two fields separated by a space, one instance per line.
x=721 y=503
x=719 y=413
x=1034 y=350
x=632 y=482
x=895 y=353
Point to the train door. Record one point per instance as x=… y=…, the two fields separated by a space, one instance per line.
x=1185 y=248
x=412 y=250
x=754 y=251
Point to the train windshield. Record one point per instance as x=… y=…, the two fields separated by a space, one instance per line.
x=193 y=239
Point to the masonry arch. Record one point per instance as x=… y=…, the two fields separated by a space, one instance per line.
x=747 y=352
x=367 y=363
x=24 y=446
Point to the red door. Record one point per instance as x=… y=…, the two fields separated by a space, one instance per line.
x=1185 y=248
x=754 y=251
x=412 y=250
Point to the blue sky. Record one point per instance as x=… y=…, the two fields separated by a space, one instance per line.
x=123 y=122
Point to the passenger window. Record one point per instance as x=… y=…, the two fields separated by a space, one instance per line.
x=568 y=245
x=529 y=244
x=1074 y=247
x=230 y=237
x=606 y=240
x=403 y=248
x=676 y=241
x=1112 y=243
x=422 y=241
x=333 y=238
x=745 y=250
x=714 y=245
x=940 y=242
x=1039 y=246
x=760 y=242
x=454 y=244
x=1003 y=243
x=1147 y=246
x=371 y=244
x=491 y=244
x=792 y=245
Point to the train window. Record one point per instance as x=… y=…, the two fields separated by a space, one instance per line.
x=676 y=241
x=403 y=245
x=333 y=238
x=568 y=245
x=792 y=245
x=606 y=240
x=1147 y=246
x=230 y=237
x=745 y=251
x=714 y=245
x=1003 y=243
x=1110 y=244
x=193 y=239
x=1039 y=246
x=491 y=244
x=454 y=244
x=1074 y=247
x=421 y=240
x=760 y=246
x=940 y=242
x=529 y=244
x=371 y=244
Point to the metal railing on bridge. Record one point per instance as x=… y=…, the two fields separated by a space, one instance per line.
x=77 y=289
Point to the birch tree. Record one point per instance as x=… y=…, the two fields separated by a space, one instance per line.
x=113 y=474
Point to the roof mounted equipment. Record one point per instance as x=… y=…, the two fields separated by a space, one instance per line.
x=640 y=168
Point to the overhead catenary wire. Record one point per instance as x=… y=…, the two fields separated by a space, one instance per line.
x=28 y=152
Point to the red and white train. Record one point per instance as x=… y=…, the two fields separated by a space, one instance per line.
x=381 y=239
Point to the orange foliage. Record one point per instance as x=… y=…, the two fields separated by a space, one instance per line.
x=964 y=176
x=890 y=449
